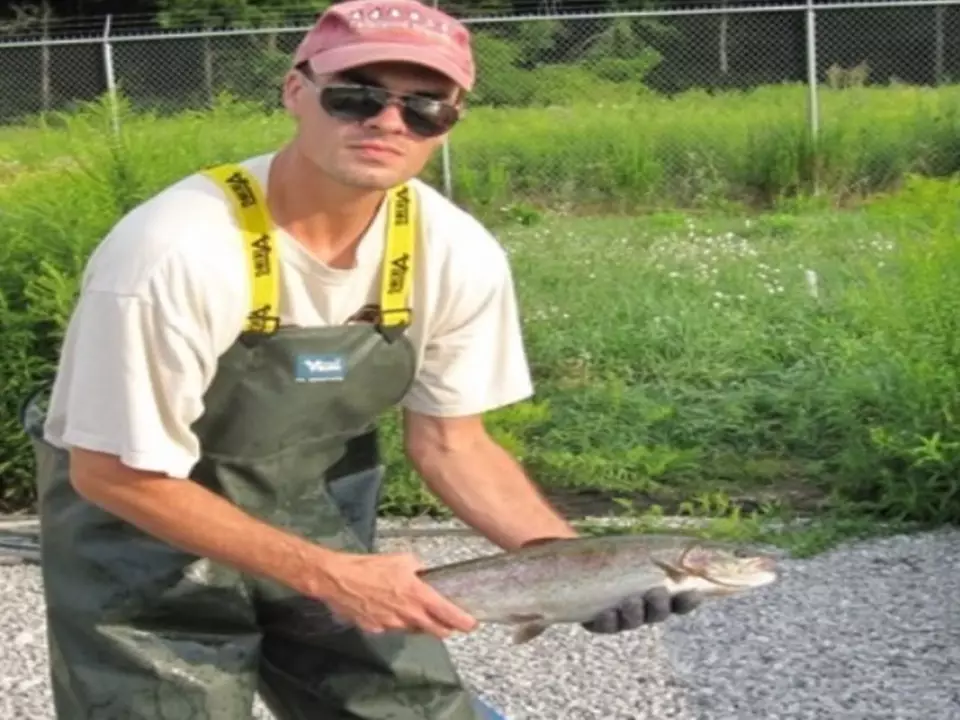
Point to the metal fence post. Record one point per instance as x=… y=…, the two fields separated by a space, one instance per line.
x=447 y=168
x=445 y=154
x=111 y=78
x=813 y=94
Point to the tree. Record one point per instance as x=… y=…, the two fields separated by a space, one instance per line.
x=245 y=64
x=238 y=13
x=32 y=17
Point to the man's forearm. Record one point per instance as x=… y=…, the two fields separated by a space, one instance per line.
x=486 y=488
x=190 y=517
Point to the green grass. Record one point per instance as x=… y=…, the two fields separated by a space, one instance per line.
x=681 y=360
x=624 y=149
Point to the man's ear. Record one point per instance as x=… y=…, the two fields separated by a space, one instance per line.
x=291 y=89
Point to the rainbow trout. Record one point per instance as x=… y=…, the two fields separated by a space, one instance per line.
x=571 y=580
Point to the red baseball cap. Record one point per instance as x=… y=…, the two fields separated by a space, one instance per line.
x=358 y=32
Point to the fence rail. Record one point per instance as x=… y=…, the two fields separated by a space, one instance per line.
x=532 y=60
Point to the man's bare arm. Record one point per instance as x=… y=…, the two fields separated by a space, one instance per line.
x=377 y=592
x=190 y=517
x=479 y=480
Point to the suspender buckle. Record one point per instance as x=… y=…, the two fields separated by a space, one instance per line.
x=392 y=323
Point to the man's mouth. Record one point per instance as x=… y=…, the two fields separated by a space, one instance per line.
x=373 y=148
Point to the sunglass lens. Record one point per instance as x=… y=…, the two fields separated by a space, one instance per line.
x=424 y=116
x=352 y=103
x=428 y=117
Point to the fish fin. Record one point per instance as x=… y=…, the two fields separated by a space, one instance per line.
x=694 y=556
x=528 y=631
x=676 y=574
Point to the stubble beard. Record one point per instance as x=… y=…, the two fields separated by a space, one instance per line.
x=367 y=178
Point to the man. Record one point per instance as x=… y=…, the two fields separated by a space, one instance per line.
x=209 y=473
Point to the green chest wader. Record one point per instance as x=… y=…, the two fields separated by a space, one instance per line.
x=141 y=631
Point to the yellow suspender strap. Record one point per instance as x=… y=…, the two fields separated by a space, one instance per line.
x=250 y=208
x=397 y=274
x=256 y=227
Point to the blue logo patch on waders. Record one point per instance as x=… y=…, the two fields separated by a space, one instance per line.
x=321 y=368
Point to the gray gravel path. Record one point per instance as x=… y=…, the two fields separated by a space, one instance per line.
x=867 y=631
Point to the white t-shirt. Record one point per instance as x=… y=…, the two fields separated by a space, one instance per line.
x=166 y=293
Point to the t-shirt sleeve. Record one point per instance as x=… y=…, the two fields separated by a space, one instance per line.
x=474 y=359
x=135 y=385
x=135 y=366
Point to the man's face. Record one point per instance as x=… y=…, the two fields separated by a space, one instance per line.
x=376 y=153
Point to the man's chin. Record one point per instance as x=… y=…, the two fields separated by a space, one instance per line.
x=373 y=178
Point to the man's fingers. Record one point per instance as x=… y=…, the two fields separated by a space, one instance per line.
x=447 y=613
x=371 y=627
x=633 y=613
x=685 y=602
x=657 y=605
x=419 y=620
x=604 y=623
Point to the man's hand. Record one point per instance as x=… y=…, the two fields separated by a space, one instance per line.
x=654 y=606
x=383 y=592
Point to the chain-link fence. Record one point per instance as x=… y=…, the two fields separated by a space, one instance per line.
x=784 y=66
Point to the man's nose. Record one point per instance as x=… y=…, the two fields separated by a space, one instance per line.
x=390 y=118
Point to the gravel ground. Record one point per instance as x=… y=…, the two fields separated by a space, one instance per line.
x=867 y=631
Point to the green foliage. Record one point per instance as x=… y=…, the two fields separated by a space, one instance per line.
x=687 y=363
x=236 y=13
x=615 y=145
x=681 y=358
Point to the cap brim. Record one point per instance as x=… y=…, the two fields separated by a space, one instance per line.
x=346 y=58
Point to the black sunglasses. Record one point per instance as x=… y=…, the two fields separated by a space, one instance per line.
x=425 y=116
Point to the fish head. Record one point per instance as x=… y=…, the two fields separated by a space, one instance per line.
x=719 y=571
